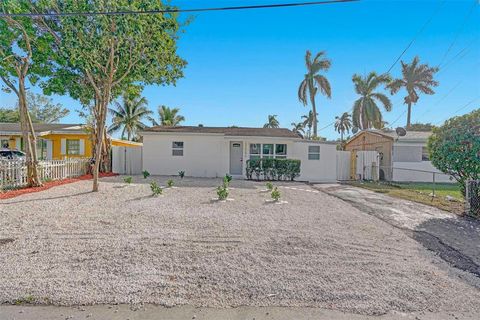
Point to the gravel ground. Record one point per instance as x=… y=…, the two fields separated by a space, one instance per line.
x=120 y=245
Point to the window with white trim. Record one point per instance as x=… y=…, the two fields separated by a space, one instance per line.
x=313 y=152
x=73 y=146
x=281 y=151
x=177 y=148
x=267 y=150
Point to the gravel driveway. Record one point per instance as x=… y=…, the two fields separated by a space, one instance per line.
x=68 y=246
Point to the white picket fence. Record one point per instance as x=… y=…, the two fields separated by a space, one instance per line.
x=13 y=173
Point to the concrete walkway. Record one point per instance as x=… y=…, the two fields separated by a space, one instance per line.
x=126 y=312
x=455 y=239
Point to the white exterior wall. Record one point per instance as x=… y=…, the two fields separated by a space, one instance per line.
x=208 y=155
x=418 y=176
x=323 y=170
x=203 y=155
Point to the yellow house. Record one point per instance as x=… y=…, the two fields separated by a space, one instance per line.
x=55 y=141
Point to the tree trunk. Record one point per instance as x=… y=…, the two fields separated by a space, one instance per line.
x=29 y=138
x=100 y=134
x=409 y=113
x=314 y=110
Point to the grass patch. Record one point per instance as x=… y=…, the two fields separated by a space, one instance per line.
x=420 y=192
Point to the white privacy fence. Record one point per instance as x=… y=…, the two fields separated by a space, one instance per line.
x=13 y=173
x=126 y=160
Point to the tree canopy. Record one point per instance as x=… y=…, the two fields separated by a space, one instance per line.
x=455 y=147
x=100 y=57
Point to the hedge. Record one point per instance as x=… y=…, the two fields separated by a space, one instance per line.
x=273 y=169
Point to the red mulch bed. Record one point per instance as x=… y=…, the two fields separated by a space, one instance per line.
x=51 y=184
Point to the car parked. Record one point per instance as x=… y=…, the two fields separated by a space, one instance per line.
x=7 y=154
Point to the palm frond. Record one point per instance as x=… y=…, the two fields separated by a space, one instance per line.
x=324 y=85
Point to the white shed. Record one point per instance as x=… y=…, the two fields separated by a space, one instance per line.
x=216 y=151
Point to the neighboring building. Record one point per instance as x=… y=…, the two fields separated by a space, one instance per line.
x=216 y=151
x=55 y=141
x=401 y=158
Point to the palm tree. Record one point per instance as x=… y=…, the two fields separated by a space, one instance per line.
x=128 y=116
x=272 y=122
x=366 y=113
x=343 y=124
x=314 y=82
x=414 y=77
x=308 y=122
x=168 y=117
x=298 y=128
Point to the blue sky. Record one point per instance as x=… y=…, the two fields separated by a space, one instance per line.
x=245 y=65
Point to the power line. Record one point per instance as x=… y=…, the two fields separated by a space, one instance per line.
x=176 y=10
x=416 y=36
x=467 y=16
x=461 y=108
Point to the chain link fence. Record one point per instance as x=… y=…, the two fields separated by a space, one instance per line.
x=472 y=197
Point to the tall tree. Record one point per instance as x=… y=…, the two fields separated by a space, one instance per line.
x=298 y=128
x=168 y=117
x=43 y=110
x=9 y=115
x=415 y=77
x=272 y=122
x=109 y=53
x=366 y=113
x=40 y=107
x=128 y=116
x=308 y=123
x=24 y=52
x=314 y=82
x=343 y=124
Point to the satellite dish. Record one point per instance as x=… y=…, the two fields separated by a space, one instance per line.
x=354 y=130
x=401 y=132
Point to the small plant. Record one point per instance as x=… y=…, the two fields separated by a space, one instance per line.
x=156 y=189
x=269 y=186
x=146 y=174
x=181 y=174
x=222 y=192
x=228 y=178
x=276 y=194
x=128 y=180
x=170 y=183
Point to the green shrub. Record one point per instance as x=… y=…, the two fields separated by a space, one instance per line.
x=269 y=186
x=156 y=189
x=454 y=148
x=275 y=194
x=222 y=192
x=181 y=174
x=226 y=180
x=170 y=183
x=146 y=174
x=128 y=180
x=293 y=169
x=268 y=165
x=273 y=169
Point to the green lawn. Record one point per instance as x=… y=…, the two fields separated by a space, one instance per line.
x=420 y=192
x=441 y=189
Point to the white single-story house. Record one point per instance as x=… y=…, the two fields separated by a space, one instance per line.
x=402 y=158
x=216 y=151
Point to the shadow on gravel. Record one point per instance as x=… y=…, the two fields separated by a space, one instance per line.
x=454 y=240
x=49 y=198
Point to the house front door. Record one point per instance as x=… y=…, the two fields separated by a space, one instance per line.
x=236 y=157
